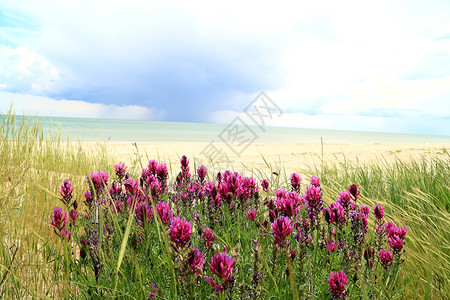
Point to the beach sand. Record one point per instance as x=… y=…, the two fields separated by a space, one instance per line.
x=293 y=157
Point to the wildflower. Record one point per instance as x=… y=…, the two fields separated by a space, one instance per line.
x=89 y=198
x=201 y=172
x=251 y=214
x=222 y=266
x=282 y=228
x=58 y=218
x=208 y=237
x=385 y=258
x=378 y=211
x=104 y=177
x=265 y=185
x=396 y=243
x=65 y=234
x=354 y=191
x=155 y=189
x=335 y=214
x=115 y=188
x=73 y=214
x=196 y=216
x=66 y=192
x=365 y=210
x=392 y=229
x=143 y=213
x=344 y=199
x=315 y=181
x=119 y=207
x=131 y=186
x=152 y=294
x=337 y=282
x=180 y=231
x=331 y=246
x=164 y=212
x=195 y=261
x=295 y=182
x=120 y=169
x=289 y=204
x=313 y=197
x=293 y=253
x=161 y=172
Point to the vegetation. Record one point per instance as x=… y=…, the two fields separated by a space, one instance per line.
x=133 y=245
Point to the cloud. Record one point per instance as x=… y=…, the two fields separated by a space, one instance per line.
x=43 y=106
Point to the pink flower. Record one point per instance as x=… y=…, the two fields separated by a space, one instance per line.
x=385 y=257
x=143 y=213
x=354 y=191
x=222 y=266
x=293 y=253
x=131 y=186
x=208 y=237
x=65 y=234
x=315 y=181
x=180 y=231
x=119 y=207
x=161 y=172
x=396 y=243
x=282 y=228
x=201 y=172
x=120 y=169
x=251 y=214
x=337 y=282
x=365 y=210
x=344 y=198
x=164 y=212
x=66 y=191
x=331 y=246
x=265 y=185
x=335 y=214
x=58 y=218
x=195 y=261
x=313 y=197
x=295 y=182
x=378 y=211
x=73 y=214
x=289 y=204
x=152 y=294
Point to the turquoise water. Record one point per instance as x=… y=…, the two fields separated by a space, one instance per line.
x=152 y=131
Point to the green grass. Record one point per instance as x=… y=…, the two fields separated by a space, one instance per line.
x=415 y=193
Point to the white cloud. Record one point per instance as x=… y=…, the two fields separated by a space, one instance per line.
x=43 y=106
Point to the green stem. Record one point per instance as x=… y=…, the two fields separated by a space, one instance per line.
x=291 y=274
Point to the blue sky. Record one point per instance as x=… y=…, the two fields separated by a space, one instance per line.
x=379 y=66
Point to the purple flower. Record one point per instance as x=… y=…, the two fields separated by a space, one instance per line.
x=164 y=212
x=337 y=282
x=289 y=204
x=265 y=185
x=119 y=207
x=120 y=169
x=396 y=243
x=354 y=191
x=107 y=231
x=222 y=266
x=315 y=181
x=344 y=198
x=378 y=211
x=335 y=214
x=131 y=186
x=66 y=191
x=295 y=182
x=385 y=257
x=58 y=218
x=65 y=234
x=313 y=197
x=208 y=237
x=201 y=172
x=152 y=294
x=365 y=210
x=282 y=228
x=293 y=253
x=251 y=214
x=73 y=215
x=143 y=213
x=161 y=172
x=195 y=261
x=180 y=231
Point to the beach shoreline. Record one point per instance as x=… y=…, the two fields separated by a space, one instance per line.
x=269 y=155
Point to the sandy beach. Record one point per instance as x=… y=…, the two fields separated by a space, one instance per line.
x=290 y=156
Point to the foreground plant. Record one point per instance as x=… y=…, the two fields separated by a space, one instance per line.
x=285 y=246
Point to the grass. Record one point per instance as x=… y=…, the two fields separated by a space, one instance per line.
x=415 y=193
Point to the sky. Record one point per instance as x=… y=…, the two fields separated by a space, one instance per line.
x=351 y=65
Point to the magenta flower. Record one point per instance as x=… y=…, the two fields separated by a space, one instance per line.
x=251 y=214
x=365 y=210
x=164 y=212
x=344 y=199
x=295 y=182
x=107 y=231
x=131 y=186
x=65 y=234
x=289 y=204
x=331 y=246
x=153 y=294
x=161 y=172
x=265 y=185
x=201 y=172
x=73 y=215
x=208 y=237
x=315 y=181
x=337 y=282
x=396 y=243
x=143 y=213
x=180 y=231
x=120 y=169
x=385 y=257
x=282 y=228
x=222 y=266
x=119 y=207
x=66 y=192
x=354 y=191
x=293 y=253
x=58 y=218
x=392 y=229
x=378 y=211
x=313 y=197
x=195 y=261
x=335 y=214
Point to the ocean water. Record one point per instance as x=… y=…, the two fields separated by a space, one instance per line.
x=89 y=130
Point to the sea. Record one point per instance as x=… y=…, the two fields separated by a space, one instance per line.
x=109 y=130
